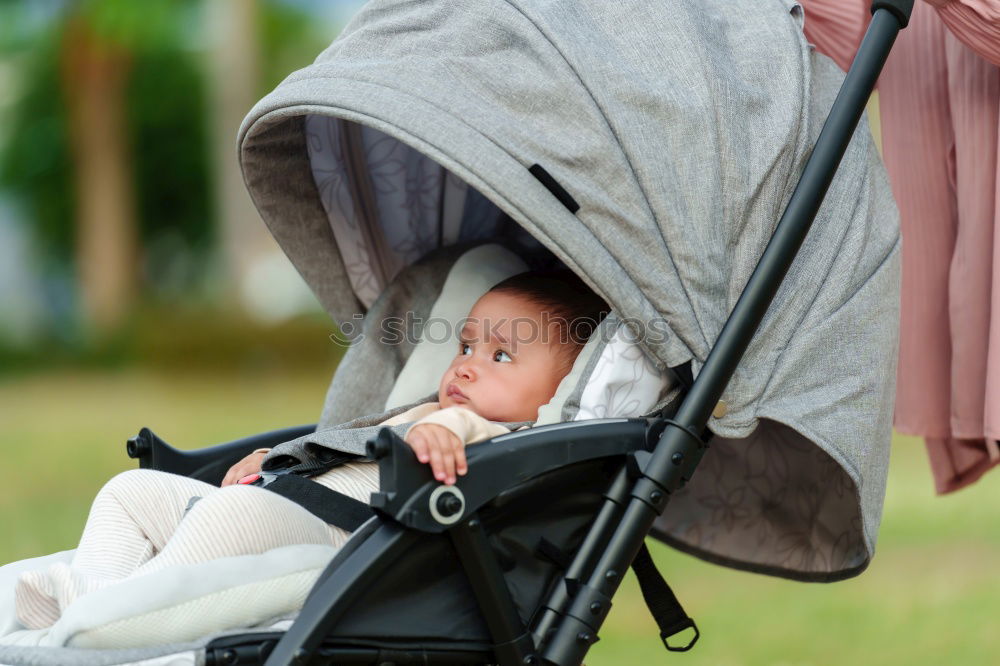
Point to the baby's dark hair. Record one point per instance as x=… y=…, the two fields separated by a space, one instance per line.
x=568 y=302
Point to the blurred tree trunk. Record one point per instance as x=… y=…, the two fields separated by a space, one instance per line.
x=94 y=78
x=234 y=66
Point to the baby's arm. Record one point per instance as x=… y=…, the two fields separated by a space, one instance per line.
x=440 y=438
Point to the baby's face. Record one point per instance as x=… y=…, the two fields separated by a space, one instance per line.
x=506 y=366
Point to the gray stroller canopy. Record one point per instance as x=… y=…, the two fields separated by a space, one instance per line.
x=679 y=128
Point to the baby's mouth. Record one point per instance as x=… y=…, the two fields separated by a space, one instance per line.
x=456 y=394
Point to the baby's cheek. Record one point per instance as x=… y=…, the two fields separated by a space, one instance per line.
x=442 y=389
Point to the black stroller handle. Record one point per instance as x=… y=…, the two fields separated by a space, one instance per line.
x=901 y=9
x=679 y=448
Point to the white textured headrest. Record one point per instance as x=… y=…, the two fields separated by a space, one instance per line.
x=612 y=377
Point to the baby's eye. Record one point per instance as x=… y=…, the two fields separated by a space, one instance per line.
x=464 y=349
x=501 y=356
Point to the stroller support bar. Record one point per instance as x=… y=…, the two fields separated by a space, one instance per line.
x=555 y=607
x=407 y=486
x=569 y=644
x=631 y=509
x=511 y=641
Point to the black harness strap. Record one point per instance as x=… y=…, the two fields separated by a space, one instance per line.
x=661 y=601
x=328 y=505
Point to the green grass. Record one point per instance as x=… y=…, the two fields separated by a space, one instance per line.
x=931 y=596
x=63 y=435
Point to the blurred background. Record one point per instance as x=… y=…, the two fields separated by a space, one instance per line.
x=124 y=223
x=138 y=287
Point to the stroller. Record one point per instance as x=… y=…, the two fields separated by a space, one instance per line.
x=649 y=147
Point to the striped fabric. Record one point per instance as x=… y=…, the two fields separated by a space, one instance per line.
x=940 y=106
x=140 y=523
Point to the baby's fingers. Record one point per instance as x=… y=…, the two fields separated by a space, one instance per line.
x=418 y=443
x=235 y=473
x=437 y=460
x=441 y=448
x=461 y=464
x=448 y=457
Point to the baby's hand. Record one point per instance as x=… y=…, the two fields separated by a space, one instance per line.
x=441 y=448
x=249 y=465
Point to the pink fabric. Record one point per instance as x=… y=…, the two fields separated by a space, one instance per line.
x=939 y=96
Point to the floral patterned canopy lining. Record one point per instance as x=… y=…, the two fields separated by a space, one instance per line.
x=405 y=206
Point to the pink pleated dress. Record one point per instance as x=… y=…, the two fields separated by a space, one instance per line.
x=939 y=96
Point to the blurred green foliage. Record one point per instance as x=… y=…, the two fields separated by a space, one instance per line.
x=290 y=39
x=168 y=99
x=166 y=111
x=137 y=26
x=34 y=162
x=173 y=176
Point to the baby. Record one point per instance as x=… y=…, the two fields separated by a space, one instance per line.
x=518 y=342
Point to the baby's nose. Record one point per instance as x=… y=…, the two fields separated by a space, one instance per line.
x=465 y=370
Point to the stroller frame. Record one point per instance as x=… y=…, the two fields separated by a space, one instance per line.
x=661 y=452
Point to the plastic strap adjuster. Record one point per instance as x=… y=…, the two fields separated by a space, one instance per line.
x=674 y=629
